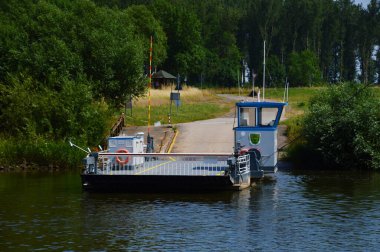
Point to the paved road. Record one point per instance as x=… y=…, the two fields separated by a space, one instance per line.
x=208 y=136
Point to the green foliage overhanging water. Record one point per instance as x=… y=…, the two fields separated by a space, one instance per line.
x=64 y=66
x=341 y=129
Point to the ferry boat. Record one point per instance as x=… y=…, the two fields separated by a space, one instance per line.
x=125 y=166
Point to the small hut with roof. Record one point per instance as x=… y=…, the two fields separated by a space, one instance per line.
x=162 y=78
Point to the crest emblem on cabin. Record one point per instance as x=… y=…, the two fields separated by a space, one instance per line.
x=254 y=138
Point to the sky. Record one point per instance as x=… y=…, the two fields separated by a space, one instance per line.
x=363 y=2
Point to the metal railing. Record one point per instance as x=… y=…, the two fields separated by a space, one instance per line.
x=243 y=164
x=183 y=164
x=242 y=172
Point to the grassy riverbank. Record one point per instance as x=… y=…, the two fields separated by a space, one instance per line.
x=195 y=105
x=37 y=154
x=298 y=97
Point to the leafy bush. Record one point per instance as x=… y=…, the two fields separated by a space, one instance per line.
x=343 y=127
x=28 y=113
x=52 y=41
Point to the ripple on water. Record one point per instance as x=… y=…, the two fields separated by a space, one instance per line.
x=296 y=211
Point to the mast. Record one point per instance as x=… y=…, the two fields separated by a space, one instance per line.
x=150 y=139
x=150 y=79
x=253 y=85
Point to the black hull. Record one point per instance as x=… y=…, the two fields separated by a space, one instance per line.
x=156 y=183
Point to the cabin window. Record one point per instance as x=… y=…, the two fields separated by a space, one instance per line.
x=268 y=116
x=247 y=117
x=112 y=143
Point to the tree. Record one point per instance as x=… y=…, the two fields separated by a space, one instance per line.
x=146 y=25
x=303 y=68
x=275 y=71
x=222 y=55
x=183 y=30
x=369 y=23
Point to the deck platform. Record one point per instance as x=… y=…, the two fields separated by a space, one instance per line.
x=165 y=172
x=170 y=168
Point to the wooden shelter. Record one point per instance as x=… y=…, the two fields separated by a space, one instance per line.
x=162 y=78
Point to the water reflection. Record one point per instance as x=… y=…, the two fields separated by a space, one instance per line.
x=165 y=220
x=295 y=211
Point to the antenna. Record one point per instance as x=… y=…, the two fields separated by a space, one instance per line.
x=238 y=82
x=264 y=75
x=253 y=85
x=286 y=84
x=76 y=146
x=150 y=79
x=287 y=90
x=149 y=140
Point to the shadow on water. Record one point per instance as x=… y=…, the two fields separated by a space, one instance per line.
x=347 y=183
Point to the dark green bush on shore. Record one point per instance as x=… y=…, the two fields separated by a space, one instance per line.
x=71 y=112
x=343 y=127
x=61 y=64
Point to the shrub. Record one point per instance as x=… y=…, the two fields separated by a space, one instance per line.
x=343 y=127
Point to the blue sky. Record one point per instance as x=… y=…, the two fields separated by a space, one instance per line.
x=363 y=2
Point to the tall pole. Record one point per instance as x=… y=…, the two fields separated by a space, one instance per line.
x=253 y=85
x=238 y=76
x=264 y=75
x=150 y=80
x=150 y=139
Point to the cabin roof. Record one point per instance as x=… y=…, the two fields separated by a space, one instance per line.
x=264 y=104
x=163 y=75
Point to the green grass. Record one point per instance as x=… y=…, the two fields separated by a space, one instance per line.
x=377 y=91
x=195 y=105
x=187 y=112
x=298 y=97
x=204 y=104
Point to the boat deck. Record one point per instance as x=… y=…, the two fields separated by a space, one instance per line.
x=172 y=172
x=171 y=167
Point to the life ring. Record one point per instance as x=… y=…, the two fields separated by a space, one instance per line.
x=243 y=151
x=122 y=161
x=253 y=152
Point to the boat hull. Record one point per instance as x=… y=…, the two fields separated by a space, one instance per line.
x=154 y=183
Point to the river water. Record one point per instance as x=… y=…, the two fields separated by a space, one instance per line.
x=312 y=211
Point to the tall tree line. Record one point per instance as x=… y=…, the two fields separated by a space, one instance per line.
x=308 y=41
x=62 y=62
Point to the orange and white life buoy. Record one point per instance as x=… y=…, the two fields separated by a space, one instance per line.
x=122 y=161
x=256 y=151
